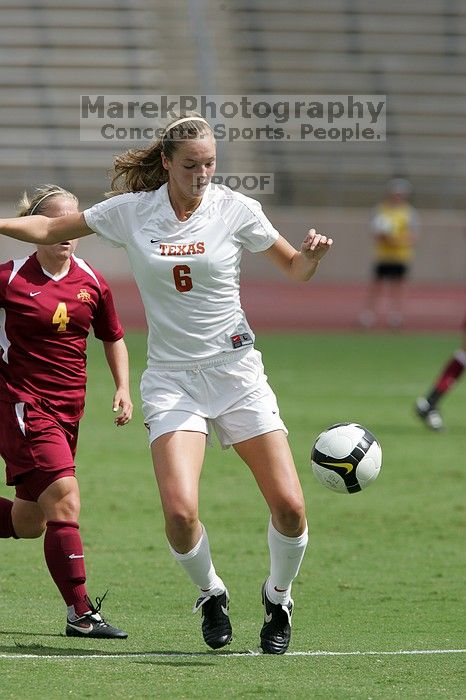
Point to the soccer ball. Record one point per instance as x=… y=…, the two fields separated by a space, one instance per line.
x=346 y=458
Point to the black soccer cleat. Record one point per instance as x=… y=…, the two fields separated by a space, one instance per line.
x=276 y=630
x=92 y=624
x=216 y=626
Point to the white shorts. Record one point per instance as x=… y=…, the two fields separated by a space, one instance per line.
x=229 y=393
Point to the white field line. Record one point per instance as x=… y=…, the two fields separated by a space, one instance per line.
x=176 y=654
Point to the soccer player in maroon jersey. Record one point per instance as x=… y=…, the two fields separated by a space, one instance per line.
x=426 y=406
x=48 y=303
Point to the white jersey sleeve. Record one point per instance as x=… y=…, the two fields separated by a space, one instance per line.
x=113 y=220
x=248 y=223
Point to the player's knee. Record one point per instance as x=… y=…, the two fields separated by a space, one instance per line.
x=182 y=520
x=290 y=516
x=68 y=508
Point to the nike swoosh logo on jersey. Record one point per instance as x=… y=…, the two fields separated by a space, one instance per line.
x=155 y=240
x=75 y=556
x=33 y=294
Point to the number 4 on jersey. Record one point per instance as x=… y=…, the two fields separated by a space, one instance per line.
x=61 y=317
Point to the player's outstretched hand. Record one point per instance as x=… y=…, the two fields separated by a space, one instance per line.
x=315 y=245
x=122 y=402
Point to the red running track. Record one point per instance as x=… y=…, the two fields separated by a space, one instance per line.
x=319 y=307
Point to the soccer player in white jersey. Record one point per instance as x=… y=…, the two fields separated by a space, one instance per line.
x=184 y=239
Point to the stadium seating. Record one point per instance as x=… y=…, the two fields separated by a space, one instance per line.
x=50 y=54
x=413 y=51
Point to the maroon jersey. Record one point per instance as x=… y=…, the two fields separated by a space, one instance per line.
x=44 y=324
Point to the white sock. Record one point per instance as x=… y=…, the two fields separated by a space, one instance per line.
x=198 y=565
x=460 y=355
x=286 y=555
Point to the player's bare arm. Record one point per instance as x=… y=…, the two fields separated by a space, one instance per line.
x=299 y=265
x=117 y=359
x=43 y=230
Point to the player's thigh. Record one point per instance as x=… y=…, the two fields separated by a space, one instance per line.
x=178 y=457
x=269 y=458
x=28 y=518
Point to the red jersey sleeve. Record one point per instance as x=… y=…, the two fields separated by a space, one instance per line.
x=106 y=324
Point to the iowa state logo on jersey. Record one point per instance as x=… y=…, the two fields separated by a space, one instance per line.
x=83 y=295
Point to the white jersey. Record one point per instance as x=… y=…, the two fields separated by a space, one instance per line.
x=187 y=271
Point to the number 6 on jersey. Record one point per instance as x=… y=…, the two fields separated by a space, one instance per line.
x=183 y=281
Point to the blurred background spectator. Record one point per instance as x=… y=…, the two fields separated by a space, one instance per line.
x=395 y=228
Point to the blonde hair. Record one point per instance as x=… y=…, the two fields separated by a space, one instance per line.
x=141 y=169
x=37 y=202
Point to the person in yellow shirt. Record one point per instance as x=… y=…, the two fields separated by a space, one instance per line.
x=395 y=226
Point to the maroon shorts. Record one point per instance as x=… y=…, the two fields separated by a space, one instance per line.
x=37 y=448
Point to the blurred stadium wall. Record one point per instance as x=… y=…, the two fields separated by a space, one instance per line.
x=413 y=51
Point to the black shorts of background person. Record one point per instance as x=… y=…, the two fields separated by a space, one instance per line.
x=391 y=271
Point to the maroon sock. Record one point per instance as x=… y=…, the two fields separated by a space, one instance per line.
x=6 y=522
x=451 y=372
x=63 y=551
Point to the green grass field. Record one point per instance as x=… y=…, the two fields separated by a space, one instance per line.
x=384 y=573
